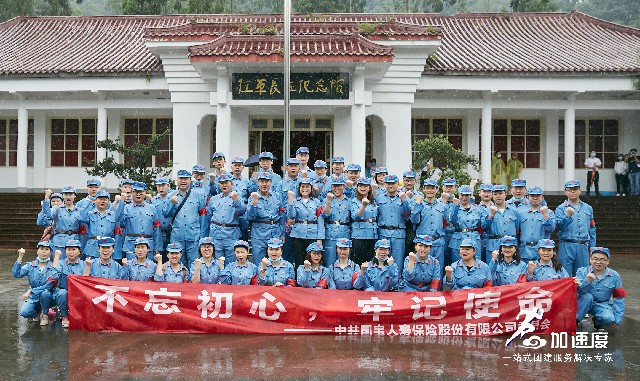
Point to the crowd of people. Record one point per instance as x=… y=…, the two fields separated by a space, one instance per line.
x=313 y=229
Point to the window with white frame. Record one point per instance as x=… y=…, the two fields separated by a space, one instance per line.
x=519 y=136
x=9 y=143
x=423 y=128
x=600 y=135
x=140 y=130
x=73 y=142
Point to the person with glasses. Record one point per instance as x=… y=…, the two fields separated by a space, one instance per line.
x=600 y=292
x=576 y=229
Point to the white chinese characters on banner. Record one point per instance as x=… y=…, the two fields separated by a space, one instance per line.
x=431 y=303
x=478 y=305
x=110 y=295
x=261 y=307
x=159 y=306
x=375 y=306
x=536 y=298
x=216 y=306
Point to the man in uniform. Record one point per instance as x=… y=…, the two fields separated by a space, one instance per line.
x=159 y=201
x=449 y=187
x=302 y=154
x=321 y=183
x=536 y=223
x=576 y=229
x=224 y=210
x=265 y=160
x=428 y=215
x=290 y=182
x=266 y=214
x=337 y=219
x=66 y=218
x=219 y=162
x=140 y=219
x=353 y=174
x=189 y=217
x=93 y=186
x=198 y=171
x=393 y=210
x=502 y=220
x=99 y=222
x=337 y=167
x=518 y=193
x=241 y=185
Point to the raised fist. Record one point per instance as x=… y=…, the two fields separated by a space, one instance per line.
x=174 y=200
x=494 y=255
x=57 y=253
x=403 y=196
x=530 y=267
x=418 y=199
x=212 y=177
x=409 y=194
x=349 y=183
x=222 y=171
x=221 y=260
x=255 y=176
x=329 y=196
x=303 y=174
x=390 y=261
x=365 y=201
x=125 y=262
x=473 y=183
x=448 y=271
x=455 y=201
x=494 y=210
x=363 y=267
x=149 y=197
x=290 y=196
x=569 y=211
x=265 y=263
x=591 y=277
x=124 y=195
x=234 y=196
x=254 y=198
x=158 y=258
x=544 y=210
x=118 y=198
x=374 y=185
x=47 y=193
x=445 y=196
x=197 y=262
x=307 y=264
x=21 y=252
x=413 y=257
x=88 y=261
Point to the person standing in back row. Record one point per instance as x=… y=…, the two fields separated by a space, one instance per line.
x=634 y=172
x=592 y=164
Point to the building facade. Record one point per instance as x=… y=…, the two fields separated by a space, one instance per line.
x=549 y=87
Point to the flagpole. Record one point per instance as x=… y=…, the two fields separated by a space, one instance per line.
x=287 y=80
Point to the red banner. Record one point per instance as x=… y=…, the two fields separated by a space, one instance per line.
x=98 y=304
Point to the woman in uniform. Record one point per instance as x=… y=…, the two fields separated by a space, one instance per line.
x=140 y=268
x=345 y=273
x=382 y=273
x=305 y=215
x=205 y=269
x=364 y=225
x=421 y=272
x=468 y=271
x=275 y=271
x=240 y=272
x=467 y=219
x=505 y=265
x=548 y=266
x=312 y=274
x=173 y=271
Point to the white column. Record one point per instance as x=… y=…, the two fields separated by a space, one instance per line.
x=397 y=138
x=114 y=123
x=549 y=152
x=40 y=149
x=23 y=136
x=101 y=128
x=223 y=125
x=471 y=133
x=358 y=119
x=570 y=139
x=485 y=160
x=186 y=122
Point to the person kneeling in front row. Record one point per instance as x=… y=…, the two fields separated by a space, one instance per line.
x=382 y=273
x=312 y=274
x=173 y=271
x=105 y=266
x=275 y=271
x=467 y=272
x=600 y=290
x=421 y=272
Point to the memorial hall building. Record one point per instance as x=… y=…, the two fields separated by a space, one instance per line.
x=548 y=86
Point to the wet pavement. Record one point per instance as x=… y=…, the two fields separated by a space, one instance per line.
x=30 y=352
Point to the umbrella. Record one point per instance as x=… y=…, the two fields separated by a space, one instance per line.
x=252 y=160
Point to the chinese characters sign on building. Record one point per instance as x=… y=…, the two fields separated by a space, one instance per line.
x=97 y=304
x=269 y=86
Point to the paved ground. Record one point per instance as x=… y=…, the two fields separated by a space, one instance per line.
x=32 y=353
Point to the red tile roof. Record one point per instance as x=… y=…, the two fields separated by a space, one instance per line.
x=535 y=42
x=261 y=48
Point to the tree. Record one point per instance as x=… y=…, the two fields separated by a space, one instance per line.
x=445 y=159
x=145 y=7
x=533 y=6
x=13 y=8
x=137 y=165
